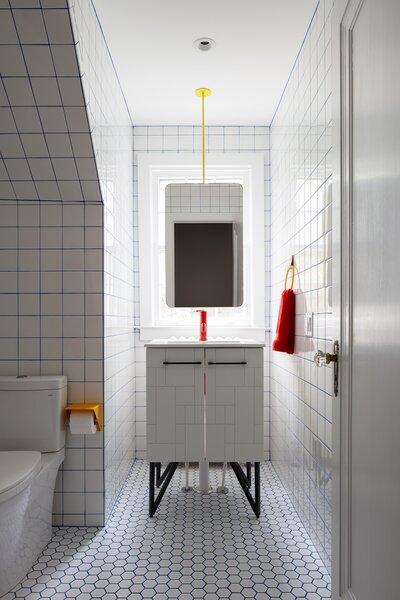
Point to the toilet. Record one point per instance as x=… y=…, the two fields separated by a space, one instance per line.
x=32 y=440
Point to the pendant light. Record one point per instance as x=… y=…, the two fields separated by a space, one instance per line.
x=203 y=93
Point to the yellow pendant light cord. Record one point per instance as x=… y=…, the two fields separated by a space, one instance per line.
x=203 y=151
x=203 y=93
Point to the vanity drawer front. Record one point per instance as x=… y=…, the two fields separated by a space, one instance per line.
x=252 y=356
x=175 y=404
x=157 y=357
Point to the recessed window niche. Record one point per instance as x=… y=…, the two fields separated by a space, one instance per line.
x=156 y=174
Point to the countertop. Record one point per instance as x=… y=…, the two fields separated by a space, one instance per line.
x=210 y=343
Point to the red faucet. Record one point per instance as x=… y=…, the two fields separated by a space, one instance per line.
x=203 y=325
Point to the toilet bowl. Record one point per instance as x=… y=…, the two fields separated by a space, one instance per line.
x=32 y=441
x=27 y=481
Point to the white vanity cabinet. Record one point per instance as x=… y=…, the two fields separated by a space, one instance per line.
x=205 y=403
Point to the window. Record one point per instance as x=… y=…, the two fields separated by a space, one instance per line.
x=155 y=173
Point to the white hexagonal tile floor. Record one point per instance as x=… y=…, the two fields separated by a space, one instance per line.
x=196 y=546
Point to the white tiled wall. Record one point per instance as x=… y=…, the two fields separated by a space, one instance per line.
x=62 y=290
x=51 y=238
x=301 y=170
x=188 y=139
x=111 y=130
x=51 y=323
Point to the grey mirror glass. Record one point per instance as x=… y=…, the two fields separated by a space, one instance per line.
x=204 y=244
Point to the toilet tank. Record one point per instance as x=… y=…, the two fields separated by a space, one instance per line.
x=32 y=413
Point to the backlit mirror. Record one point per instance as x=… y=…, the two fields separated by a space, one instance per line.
x=204 y=244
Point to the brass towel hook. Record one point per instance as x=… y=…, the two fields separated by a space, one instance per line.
x=291 y=268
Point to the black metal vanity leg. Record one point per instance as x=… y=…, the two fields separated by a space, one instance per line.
x=161 y=476
x=166 y=478
x=257 y=489
x=158 y=473
x=248 y=472
x=151 y=488
x=255 y=502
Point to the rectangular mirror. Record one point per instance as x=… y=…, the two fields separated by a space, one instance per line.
x=204 y=244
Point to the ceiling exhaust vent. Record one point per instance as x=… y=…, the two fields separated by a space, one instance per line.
x=204 y=44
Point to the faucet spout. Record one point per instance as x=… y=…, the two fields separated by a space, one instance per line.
x=203 y=325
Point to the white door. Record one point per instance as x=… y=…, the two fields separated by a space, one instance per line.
x=367 y=196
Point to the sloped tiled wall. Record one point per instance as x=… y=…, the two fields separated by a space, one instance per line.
x=45 y=142
x=301 y=172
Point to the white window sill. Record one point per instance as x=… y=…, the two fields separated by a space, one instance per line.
x=163 y=332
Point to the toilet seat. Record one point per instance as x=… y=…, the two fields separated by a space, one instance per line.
x=17 y=469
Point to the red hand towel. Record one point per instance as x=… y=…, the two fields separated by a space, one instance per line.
x=284 y=341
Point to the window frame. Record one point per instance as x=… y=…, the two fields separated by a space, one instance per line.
x=155 y=172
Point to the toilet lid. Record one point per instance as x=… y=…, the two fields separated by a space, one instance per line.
x=17 y=467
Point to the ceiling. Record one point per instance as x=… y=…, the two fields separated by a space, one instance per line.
x=151 y=43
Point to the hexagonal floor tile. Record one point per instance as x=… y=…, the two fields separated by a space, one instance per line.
x=196 y=546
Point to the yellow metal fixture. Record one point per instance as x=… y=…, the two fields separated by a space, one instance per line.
x=203 y=93
x=95 y=408
x=290 y=269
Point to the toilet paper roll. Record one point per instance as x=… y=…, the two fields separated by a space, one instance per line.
x=82 y=421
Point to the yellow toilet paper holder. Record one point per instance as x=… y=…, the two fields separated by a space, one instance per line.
x=95 y=408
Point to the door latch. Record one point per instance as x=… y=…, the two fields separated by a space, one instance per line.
x=325 y=358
